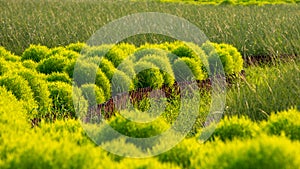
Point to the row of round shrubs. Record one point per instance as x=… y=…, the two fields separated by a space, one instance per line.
x=41 y=75
x=168 y=58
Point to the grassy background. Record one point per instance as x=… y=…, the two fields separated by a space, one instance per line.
x=269 y=30
x=235 y=2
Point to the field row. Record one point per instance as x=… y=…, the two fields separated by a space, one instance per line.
x=236 y=143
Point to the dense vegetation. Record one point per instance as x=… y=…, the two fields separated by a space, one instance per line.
x=48 y=81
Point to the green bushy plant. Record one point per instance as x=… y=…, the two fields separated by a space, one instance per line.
x=12 y=113
x=116 y=55
x=85 y=72
x=235 y=127
x=261 y=152
x=149 y=163
x=52 y=64
x=35 y=53
x=5 y=66
x=139 y=130
x=182 y=153
x=39 y=88
x=103 y=82
x=61 y=51
x=56 y=76
x=194 y=67
x=286 y=122
x=97 y=50
x=21 y=89
x=127 y=66
x=121 y=83
x=107 y=68
x=7 y=55
x=93 y=94
x=76 y=47
x=29 y=64
x=164 y=65
x=142 y=52
x=148 y=75
x=17 y=85
x=229 y=56
x=62 y=102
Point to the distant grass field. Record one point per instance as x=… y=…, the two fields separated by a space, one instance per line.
x=269 y=30
x=234 y=2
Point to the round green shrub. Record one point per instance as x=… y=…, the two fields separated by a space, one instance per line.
x=164 y=65
x=103 y=82
x=69 y=68
x=127 y=48
x=149 y=163
x=182 y=153
x=231 y=59
x=142 y=52
x=39 y=88
x=127 y=66
x=185 y=51
x=107 y=68
x=235 y=127
x=52 y=64
x=29 y=64
x=62 y=102
x=261 y=152
x=7 y=55
x=17 y=85
x=5 y=66
x=116 y=55
x=61 y=51
x=21 y=89
x=97 y=51
x=188 y=69
x=84 y=72
x=121 y=83
x=12 y=113
x=61 y=77
x=286 y=122
x=93 y=94
x=35 y=53
x=139 y=130
x=148 y=75
x=76 y=47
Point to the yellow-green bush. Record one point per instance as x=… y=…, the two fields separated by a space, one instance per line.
x=61 y=77
x=35 y=53
x=286 y=122
x=76 y=47
x=7 y=55
x=121 y=83
x=103 y=82
x=39 y=88
x=182 y=153
x=261 y=152
x=63 y=105
x=55 y=63
x=93 y=94
x=235 y=127
x=107 y=68
x=147 y=75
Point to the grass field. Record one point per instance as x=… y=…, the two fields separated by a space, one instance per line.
x=233 y=2
x=261 y=31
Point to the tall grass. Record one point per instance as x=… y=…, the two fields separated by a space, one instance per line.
x=269 y=30
x=266 y=89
